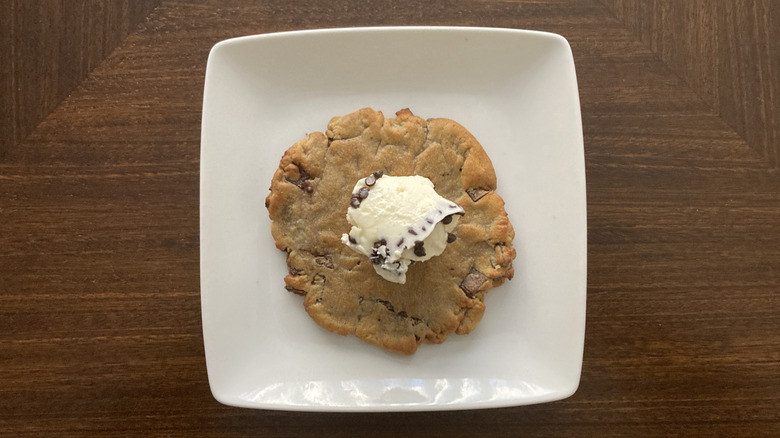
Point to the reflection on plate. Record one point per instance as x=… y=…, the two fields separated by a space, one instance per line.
x=516 y=91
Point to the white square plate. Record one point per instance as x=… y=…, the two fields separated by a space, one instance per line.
x=516 y=91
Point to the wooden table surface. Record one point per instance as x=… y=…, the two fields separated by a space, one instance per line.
x=100 y=330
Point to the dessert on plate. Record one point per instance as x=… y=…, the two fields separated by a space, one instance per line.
x=392 y=228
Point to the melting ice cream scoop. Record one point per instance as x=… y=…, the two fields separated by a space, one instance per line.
x=399 y=219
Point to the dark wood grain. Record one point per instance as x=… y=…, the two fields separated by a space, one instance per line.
x=49 y=47
x=99 y=281
x=748 y=82
x=727 y=52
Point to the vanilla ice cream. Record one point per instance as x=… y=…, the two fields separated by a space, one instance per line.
x=399 y=219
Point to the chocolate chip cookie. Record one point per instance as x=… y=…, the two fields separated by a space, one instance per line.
x=308 y=200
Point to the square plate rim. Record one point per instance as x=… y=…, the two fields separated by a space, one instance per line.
x=571 y=386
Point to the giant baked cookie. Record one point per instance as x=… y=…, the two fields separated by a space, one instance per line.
x=311 y=191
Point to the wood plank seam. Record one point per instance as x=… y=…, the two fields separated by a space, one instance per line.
x=44 y=24
x=741 y=95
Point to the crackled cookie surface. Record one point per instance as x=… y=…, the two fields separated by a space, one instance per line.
x=310 y=193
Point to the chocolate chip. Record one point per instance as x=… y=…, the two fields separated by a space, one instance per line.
x=387 y=304
x=370 y=180
x=429 y=220
x=423 y=228
x=473 y=281
x=378 y=174
x=477 y=193
x=363 y=193
x=352 y=240
x=354 y=202
x=451 y=238
x=381 y=242
x=326 y=261
x=419 y=250
x=376 y=258
x=400 y=242
x=412 y=232
x=302 y=181
x=307 y=187
x=447 y=219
